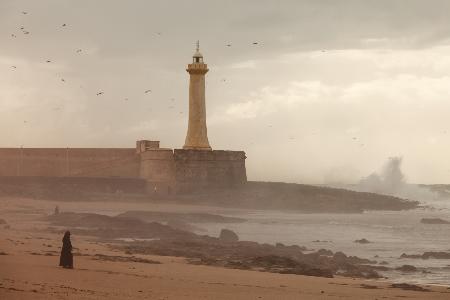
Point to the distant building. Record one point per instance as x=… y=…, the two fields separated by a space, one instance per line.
x=164 y=170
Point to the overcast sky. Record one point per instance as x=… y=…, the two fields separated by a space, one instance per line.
x=331 y=90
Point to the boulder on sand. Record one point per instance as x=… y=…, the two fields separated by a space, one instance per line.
x=228 y=236
x=407 y=268
x=362 y=241
x=433 y=221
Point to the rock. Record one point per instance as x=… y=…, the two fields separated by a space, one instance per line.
x=228 y=236
x=368 y=286
x=384 y=262
x=433 y=221
x=340 y=256
x=164 y=217
x=404 y=255
x=325 y=252
x=427 y=255
x=436 y=255
x=362 y=241
x=3 y=222
x=409 y=287
x=407 y=268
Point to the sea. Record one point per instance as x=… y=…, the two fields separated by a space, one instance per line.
x=390 y=234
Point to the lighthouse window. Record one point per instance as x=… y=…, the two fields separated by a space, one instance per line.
x=197 y=59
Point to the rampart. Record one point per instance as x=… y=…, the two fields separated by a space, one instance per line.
x=70 y=162
x=165 y=171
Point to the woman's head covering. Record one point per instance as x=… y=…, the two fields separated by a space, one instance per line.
x=67 y=234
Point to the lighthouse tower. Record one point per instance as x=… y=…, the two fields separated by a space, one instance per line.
x=197 y=134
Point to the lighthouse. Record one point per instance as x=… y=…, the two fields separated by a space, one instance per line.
x=197 y=133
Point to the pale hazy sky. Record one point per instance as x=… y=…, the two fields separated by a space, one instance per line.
x=331 y=90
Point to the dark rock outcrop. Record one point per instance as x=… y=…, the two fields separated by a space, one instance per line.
x=433 y=221
x=228 y=236
x=362 y=241
x=428 y=255
x=407 y=268
x=164 y=217
x=325 y=252
x=297 y=197
x=409 y=287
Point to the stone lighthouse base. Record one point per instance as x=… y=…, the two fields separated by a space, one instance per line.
x=199 y=169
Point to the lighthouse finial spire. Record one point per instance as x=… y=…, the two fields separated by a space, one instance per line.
x=198 y=46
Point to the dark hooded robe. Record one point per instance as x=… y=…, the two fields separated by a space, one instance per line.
x=66 y=259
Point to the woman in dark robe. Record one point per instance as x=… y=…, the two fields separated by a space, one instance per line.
x=66 y=259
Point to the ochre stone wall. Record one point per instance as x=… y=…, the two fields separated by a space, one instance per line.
x=70 y=162
x=165 y=171
x=201 y=169
x=158 y=169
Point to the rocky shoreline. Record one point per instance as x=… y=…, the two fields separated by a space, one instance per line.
x=206 y=250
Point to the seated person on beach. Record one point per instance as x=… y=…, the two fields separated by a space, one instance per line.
x=66 y=259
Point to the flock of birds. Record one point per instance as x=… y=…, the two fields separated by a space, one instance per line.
x=99 y=93
x=26 y=32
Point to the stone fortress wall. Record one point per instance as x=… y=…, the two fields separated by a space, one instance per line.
x=164 y=170
x=69 y=162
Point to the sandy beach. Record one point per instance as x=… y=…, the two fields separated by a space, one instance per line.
x=29 y=270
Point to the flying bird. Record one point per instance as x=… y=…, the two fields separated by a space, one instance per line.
x=64 y=25
x=49 y=61
x=148 y=91
x=24 y=12
x=99 y=93
x=255 y=43
x=26 y=32
x=14 y=67
x=62 y=79
x=13 y=35
x=228 y=45
x=79 y=51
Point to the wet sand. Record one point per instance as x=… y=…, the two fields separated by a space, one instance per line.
x=30 y=271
